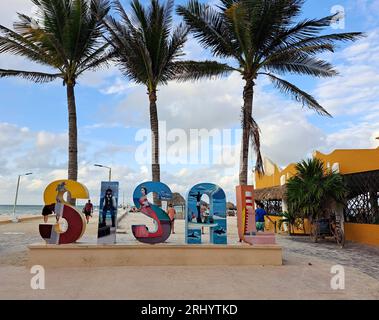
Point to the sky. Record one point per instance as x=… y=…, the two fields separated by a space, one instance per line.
x=113 y=117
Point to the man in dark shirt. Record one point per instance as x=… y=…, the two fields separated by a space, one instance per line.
x=109 y=204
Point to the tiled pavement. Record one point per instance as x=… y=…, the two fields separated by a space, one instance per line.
x=362 y=257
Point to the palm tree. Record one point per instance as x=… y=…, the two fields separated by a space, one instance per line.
x=67 y=37
x=148 y=49
x=264 y=39
x=313 y=188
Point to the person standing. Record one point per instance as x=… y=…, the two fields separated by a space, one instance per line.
x=47 y=210
x=88 y=210
x=204 y=216
x=172 y=213
x=198 y=207
x=260 y=214
x=109 y=204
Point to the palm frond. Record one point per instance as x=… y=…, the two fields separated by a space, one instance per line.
x=13 y=43
x=67 y=36
x=42 y=38
x=328 y=40
x=38 y=77
x=267 y=19
x=148 y=48
x=307 y=32
x=121 y=11
x=89 y=60
x=300 y=64
x=254 y=133
x=299 y=95
x=139 y=15
x=208 y=27
x=196 y=70
x=99 y=63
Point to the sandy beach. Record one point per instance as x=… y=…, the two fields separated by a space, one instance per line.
x=306 y=273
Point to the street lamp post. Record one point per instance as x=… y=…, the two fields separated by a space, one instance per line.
x=14 y=219
x=109 y=168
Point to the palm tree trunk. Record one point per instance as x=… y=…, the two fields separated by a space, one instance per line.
x=155 y=166
x=248 y=94
x=72 y=137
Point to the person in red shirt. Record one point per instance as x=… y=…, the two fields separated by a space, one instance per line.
x=172 y=213
x=88 y=210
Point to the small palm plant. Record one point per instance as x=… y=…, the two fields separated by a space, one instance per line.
x=264 y=38
x=290 y=219
x=66 y=37
x=313 y=188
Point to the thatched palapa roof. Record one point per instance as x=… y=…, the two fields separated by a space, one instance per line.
x=273 y=193
x=177 y=199
x=231 y=206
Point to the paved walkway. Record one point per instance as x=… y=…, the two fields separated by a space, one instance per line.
x=362 y=257
x=306 y=273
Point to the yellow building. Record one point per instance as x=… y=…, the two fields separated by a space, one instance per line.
x=360 y=168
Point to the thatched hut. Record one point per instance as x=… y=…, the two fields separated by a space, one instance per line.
x=230 y=206
x=179 y=204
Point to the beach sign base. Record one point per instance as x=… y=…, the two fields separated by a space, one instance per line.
x=91 y=255
x=260 y=238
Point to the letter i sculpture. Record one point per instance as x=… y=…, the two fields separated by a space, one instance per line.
x=247 y=229
x=250 y=227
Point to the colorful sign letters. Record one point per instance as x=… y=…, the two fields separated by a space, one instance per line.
x=201 y=216
x=71 y=224
x=162 y=221
x=247 y=229
x=108 y=213
x=245 y=211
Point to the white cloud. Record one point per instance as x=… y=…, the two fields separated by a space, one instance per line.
x=118 y=87
x=353 y=97
x=356 y=90
x=10 y=8
x=11 y=136
x=360 y=136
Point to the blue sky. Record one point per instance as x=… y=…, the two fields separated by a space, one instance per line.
x=111 y=110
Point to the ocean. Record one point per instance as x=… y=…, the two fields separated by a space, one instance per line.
x=21 y=210
x=7 y=210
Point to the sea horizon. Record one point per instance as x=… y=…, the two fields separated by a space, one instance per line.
x=25 y=209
